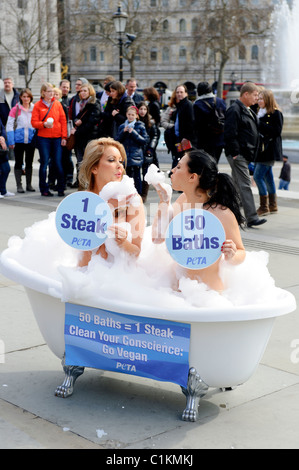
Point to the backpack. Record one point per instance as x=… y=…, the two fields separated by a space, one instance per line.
x=216 y=118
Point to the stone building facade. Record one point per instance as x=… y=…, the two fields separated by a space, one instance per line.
x=170 y=53
x=29 y=51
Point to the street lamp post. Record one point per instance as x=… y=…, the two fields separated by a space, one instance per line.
x=120 y=21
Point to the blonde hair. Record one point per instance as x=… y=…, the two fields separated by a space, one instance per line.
x=92 y=155
x=58 y=90
x=91 y=89
x=44 y=88
x=269 y=100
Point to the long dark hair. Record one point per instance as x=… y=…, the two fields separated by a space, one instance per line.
x=220 y=186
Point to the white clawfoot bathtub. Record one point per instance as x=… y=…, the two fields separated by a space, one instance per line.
x=226 y=345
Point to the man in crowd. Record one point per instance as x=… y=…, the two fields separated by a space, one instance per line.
x=131 y=87
x=241 y=138
x=9 y=97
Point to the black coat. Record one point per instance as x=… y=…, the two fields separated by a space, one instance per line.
x=270 y=127
x=202 y=111
x=184 y=111
x=4 y=107
x=241 y=135
x=89 y=129
x=110 y=124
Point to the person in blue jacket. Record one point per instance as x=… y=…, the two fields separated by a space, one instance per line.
x=132 y=134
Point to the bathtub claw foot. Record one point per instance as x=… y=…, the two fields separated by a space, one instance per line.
x=71 y=374
x=196 y=389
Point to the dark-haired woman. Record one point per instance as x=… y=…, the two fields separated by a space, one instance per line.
x=152 y=96
x=116 y=109
x=196 y=175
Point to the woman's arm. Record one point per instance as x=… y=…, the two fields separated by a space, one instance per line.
x=232 y=248
x=136 y=218
x=164 y=215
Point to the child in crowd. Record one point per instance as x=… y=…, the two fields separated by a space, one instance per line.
x=132 y=134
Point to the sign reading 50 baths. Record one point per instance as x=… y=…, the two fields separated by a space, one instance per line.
x=194 y=238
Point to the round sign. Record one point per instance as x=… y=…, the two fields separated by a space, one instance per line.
x=82 y=220
x=194 y=238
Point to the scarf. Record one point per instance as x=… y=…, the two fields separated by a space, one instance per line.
x=130 y=124
x=262 y=112
x=82 y=104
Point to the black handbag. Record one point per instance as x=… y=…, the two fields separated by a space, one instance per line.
x=34 y=141
x=3 y=155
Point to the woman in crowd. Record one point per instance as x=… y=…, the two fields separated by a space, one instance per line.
x=270 y=127
x=132 y=134
x=196 y=175
x=115 y=110
x=49 y=119
x=152 y=96
x=86 y=123
x=19 y=135
x=149 y=151
x=103 y=162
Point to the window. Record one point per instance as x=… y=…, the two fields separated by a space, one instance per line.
x=22 y=67
x=165 y=26
x=254 y=53
x=154 y=54
x=102 y=56
x=93 y=54
x=182 y=26
x=182 y=54
x=52 y=68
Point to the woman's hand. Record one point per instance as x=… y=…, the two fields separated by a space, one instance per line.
x=48 y=125
x=73 y=130
x=3 y=143
x=78 y=122
x=162 y=192
x=229 y=249
x=120 y=234
x=63 y=142
x=115 y=112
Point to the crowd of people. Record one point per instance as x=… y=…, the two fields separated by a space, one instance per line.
x=249 y=132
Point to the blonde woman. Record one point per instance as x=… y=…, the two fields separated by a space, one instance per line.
x=103 y=162
x=270 y=128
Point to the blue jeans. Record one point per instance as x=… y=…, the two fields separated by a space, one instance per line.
x=50 y=148
x=263 y=176
x=4 y=172
x=283 y=184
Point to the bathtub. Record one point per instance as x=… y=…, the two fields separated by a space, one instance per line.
x=226 y=345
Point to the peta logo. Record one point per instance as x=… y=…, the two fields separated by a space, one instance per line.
x=295 y=353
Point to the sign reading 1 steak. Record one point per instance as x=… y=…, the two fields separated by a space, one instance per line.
x=82 y=220
x=194 y=238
